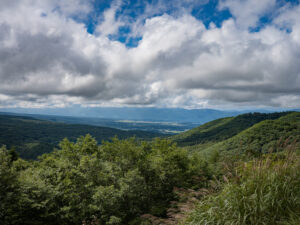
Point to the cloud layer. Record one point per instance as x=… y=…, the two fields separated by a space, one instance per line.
x=48 y=59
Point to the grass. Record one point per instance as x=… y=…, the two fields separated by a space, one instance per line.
x=263 y=191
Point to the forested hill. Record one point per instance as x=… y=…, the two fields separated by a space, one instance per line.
x=32 y=137
x=247 y=175
x=259 y=170
x=264 y=137
x=222 y=129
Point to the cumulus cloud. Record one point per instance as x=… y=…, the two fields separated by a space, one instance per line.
x=110 y=24
x=47 y=58
x=248 y=12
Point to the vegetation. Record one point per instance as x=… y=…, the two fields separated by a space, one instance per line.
x=33 y=137
x=263 y=191
x=82 y=182
x=248 y=177
x=257 y=176
x=222 y=129
x=265 y=137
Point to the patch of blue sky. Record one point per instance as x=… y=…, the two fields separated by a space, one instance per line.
x=43 y=14
x=262 y=22
x=131 y=10
x=283 y=2
x=209 y=13
x=267 y=18
x=93 y=18
x=125 y=37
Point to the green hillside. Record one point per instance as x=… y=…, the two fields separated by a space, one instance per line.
x=257 y=176
x=264 y=137
x=222 y=129
x=32 y=137
x=244 y=171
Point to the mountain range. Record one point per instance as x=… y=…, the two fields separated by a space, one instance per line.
x=197 y=116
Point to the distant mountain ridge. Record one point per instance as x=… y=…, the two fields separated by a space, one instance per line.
x=32 y=137
x=198 y=116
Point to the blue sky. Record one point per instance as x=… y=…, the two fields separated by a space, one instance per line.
x=224 y=54
x=206 y=11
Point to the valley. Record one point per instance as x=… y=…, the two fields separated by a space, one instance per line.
x=232 y=169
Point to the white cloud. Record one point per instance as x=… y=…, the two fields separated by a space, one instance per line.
x=247 y=12
x=48 y=59
x=110 y=25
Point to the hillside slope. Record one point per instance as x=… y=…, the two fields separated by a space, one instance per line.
x=156 y=182
x=33 y=137
x=263 y=137
x=222 y=129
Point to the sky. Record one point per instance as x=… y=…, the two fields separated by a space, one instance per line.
x=225 y=54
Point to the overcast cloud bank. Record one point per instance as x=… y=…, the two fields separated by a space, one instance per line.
x=48 y=59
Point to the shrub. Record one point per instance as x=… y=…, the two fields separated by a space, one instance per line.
x=264 y=191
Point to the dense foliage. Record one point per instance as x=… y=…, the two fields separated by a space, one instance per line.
x=266 y=136
x=264 y=191
x=257 y=174
x=222 y=129
x=33 y=137
x=248 y=178
x=82 y=182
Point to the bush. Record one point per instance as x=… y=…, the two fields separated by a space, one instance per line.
x=264 y=191
x=114 y=183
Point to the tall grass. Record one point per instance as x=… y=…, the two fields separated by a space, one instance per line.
x=264 y=191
